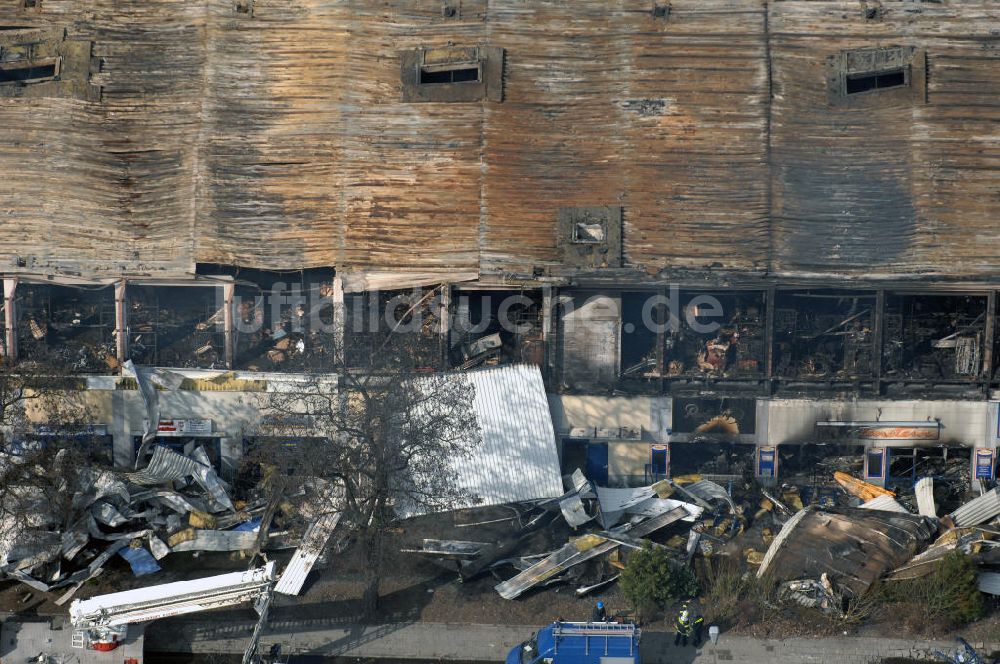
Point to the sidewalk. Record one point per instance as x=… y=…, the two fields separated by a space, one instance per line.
x=485 y=643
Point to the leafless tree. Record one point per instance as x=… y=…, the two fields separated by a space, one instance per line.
x=40 y=476
x=385 y=435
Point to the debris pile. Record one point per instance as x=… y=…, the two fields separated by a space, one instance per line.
x=821 y=546
x=63 y=537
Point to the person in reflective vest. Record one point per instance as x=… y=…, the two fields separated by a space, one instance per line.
x=682 y=626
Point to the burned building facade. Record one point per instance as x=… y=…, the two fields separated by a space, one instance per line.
x=818 y=178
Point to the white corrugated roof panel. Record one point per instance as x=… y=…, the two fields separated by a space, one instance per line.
x=517 y=459
x=313 y=542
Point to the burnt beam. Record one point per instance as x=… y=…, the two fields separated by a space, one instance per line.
x=769 y=305
x=991 y=316
x=877 y=333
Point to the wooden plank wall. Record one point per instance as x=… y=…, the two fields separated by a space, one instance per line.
x=279 y=140
x=895 y=186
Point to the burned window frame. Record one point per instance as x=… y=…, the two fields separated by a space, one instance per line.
x=488 y=61
x=606 y=253
x=72 y=60
x=854 y=64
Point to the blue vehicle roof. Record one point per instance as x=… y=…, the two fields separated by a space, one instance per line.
x=621 y=638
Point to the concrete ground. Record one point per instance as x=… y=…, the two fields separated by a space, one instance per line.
x=438 y=641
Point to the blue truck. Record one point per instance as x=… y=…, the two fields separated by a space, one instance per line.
x=580 y=643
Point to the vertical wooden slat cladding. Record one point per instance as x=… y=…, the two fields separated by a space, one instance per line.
x=92 y=186
x=280 y=139
x=313 y=158
x=896 y=185
x=606 y=104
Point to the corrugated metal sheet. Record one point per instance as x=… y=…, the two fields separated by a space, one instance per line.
x=989 y=582
x=980 y=510
x=885 y=504
x=167 y=466
x=218 y=540
x=305 y=556
x=517 y=458
x=924 y=489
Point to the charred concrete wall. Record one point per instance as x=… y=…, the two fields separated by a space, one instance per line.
x=279 y=135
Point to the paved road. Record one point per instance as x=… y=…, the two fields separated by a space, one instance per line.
x=432 y=641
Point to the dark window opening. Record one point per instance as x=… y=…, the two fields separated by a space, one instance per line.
x=875 y=81
x=463 y=74
x=27 y=73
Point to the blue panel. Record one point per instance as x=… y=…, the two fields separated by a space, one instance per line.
x=142 y=561
x=597 y=463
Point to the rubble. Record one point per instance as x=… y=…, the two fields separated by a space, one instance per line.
x=176 y=503
x=854 y=547
x=978 y=511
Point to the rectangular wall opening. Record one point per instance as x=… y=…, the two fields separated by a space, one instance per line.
x=875 y=81
x=455 y=74
x=29 y=72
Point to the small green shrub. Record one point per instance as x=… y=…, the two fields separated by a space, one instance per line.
x=949 y=593
x=651 y=577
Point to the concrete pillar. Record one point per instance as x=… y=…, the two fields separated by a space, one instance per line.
x=549 y=302
x=121 y=322
x=120 y=430
x=10 y=318
x=228 y=330
x=339 y=320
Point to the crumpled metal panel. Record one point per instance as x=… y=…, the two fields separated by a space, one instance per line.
x=168 y=466
x=979 y=510
x=989 y=582
x=218 y=540
x=853 y=546
x=107 y=514
x=615 y=503
x=309 y=551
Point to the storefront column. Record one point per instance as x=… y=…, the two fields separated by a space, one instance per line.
x=10 y=320
x=121 y=323
x=228 y=297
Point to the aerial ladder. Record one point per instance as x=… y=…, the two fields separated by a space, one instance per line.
x=101 y=623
